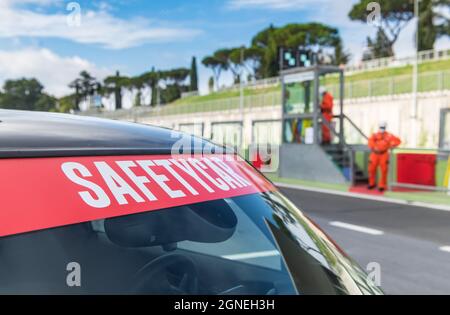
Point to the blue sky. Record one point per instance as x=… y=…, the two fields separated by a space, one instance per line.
x=134 y=35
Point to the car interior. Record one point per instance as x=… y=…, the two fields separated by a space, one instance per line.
x=138 y=253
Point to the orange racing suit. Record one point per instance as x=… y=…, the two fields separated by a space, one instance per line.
x=327 y=112
x=380 y=143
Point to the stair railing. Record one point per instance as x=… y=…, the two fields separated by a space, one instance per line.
x=349 y=149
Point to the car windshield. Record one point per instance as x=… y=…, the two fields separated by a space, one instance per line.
x=251 y=244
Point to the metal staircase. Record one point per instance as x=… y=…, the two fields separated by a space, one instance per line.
x=343 y=155
x=344 y=159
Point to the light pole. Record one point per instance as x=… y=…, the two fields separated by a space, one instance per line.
x=415 y=116
x=241 y=93
x=241 y=84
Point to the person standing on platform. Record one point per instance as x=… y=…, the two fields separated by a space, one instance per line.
x=380 y=143
x=326 y=108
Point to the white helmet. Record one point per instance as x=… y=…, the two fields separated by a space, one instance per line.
x=322 y=90
x=382 y=125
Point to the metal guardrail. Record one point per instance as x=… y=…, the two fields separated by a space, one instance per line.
x=224 y=105
x=396 y=85
x=189 y=94
x=375 y=64
x=346 y=118
x=257 y=84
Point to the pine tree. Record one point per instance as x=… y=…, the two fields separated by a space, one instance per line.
x=194 y=75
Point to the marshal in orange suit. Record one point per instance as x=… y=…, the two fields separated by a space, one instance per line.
x=326 y=108
x=380 y=143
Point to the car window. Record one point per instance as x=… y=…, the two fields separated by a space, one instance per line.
x=215 y=246
x=240 y=245
x=248 y=243
x=159 y=225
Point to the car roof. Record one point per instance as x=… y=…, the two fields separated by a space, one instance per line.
x=40 y=134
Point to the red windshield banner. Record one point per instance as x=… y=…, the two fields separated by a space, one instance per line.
x=44 y=193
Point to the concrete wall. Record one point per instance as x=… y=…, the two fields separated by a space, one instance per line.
x=398 y=112
x=248 y=117
x=301 y=161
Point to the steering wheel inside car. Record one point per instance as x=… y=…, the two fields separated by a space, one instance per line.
x=170 y=274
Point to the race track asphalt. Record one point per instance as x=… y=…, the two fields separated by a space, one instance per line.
x=407 y=243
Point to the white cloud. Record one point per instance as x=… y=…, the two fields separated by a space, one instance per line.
x=273 y=4
x=97 y=27
x=53 y=71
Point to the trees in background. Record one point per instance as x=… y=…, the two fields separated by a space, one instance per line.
x=174 y=83
x=193 y=75
x=114 y=85
x=251 y=60
x=66 y=103
x=261 y=58
x=433 y=23
x=150 y=80
x=380 y=47
x=211 y=84
x=84 y=87
x=395 y=15
x=443 y=26
x=314 y=36
x=265 y=41
x=217 y=65
x=165 y=86
x=26 y=94
x=340 y=57
x=227 y=59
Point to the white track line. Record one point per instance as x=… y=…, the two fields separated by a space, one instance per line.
x=367 y=197
x=251 y=255
x=356 y=228
x=445 y=249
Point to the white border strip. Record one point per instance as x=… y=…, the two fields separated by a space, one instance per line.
x=244 y=256
x=367 y=197
x=445 y=249
x=356 y=228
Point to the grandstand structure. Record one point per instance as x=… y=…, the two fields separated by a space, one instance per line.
x=373 y=91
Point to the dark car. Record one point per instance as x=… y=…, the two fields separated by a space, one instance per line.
x=93 y=206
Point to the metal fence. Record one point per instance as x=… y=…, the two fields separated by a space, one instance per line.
x=223 y=105
x=257 y=84
x=428 y=81
x=189 y=94
x=381 y=63
x=375 y=64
